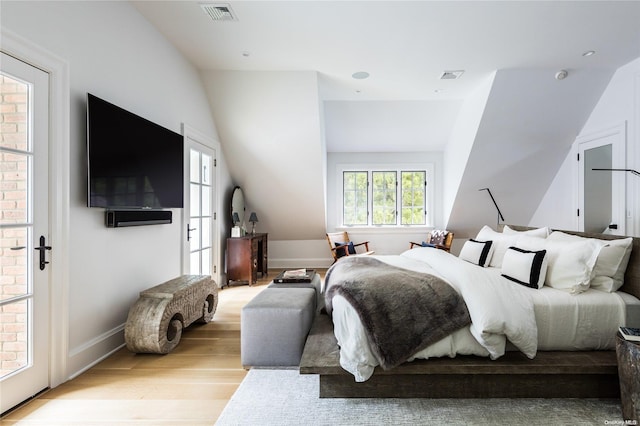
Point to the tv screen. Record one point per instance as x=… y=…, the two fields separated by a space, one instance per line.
x=133 y=163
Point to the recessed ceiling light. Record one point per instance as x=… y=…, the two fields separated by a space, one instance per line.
x=360 y=75
x=246 y=54
x=451 y=75
x=589 y=53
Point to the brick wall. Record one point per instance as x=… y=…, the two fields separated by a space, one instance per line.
x=13 y=210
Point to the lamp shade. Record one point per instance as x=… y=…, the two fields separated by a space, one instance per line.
x=253 y=217
x=236 y=218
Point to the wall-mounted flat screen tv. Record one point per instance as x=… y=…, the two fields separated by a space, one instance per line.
x=132 y=162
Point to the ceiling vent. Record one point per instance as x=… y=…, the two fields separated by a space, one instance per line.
x=219 y=11
x=451 y=75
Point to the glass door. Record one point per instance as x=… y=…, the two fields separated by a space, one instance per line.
x=24 y=280
x=200 y=211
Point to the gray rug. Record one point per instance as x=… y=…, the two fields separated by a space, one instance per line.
x=284 y=397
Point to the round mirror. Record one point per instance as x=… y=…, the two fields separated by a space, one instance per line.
x=237 y=204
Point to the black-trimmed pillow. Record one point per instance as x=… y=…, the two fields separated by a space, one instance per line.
x=525 y=267
x=477 y=252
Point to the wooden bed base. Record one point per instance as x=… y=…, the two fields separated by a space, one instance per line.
x=589 y=374
x=550 y=375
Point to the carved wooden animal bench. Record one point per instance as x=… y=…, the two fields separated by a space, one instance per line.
x=156 y=320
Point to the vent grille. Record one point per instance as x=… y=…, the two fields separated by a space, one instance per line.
x=451 y=75
x=219 y=11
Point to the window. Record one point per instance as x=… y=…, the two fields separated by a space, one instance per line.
x=390 y=200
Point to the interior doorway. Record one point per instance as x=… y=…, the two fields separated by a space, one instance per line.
x=602 y=191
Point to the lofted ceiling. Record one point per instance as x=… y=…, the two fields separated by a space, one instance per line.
x=405 y=46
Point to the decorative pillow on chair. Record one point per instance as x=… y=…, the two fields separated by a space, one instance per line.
x=348 y=246
x=438 y=237
x=477 y=252
x=525 y=267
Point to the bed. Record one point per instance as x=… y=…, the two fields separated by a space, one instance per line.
x=566 y=332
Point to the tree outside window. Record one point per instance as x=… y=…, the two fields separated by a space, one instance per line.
x=384 y=198
x=414 y=188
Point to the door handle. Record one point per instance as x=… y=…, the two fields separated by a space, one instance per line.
x=189 y=232
x=42 y=248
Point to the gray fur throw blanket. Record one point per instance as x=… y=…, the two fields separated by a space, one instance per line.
x=402 y=311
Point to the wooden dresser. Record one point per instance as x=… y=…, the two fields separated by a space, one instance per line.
x=246 y=256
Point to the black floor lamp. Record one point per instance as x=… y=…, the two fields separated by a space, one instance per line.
x=500 y=217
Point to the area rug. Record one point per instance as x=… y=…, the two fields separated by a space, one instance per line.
x=284 y=397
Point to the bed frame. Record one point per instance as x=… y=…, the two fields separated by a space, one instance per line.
x=585 y=374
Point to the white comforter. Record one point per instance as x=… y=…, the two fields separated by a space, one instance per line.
x=499 y=310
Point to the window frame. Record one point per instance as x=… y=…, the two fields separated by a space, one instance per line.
x=429 y=170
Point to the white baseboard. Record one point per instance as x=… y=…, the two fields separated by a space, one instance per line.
x=90 y=353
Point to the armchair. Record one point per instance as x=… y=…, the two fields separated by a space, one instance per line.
x=438 y=239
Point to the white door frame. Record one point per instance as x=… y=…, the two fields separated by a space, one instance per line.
x=617 y=136
x=59 y=192
x=208 y=143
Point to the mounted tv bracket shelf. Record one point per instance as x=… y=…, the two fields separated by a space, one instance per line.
x=121 y=218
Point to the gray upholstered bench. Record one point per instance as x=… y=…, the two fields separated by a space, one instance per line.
x=274 y=327
x=316 y=284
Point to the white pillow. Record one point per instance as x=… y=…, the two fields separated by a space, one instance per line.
x=539 y=232
x=570 y=263
x=525 y=267
x=608 y=272
x=477 y=252
x=501 y=242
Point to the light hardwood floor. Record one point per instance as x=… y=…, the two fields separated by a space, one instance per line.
x=189 y=386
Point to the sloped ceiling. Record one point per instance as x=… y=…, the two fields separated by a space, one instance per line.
x=527 y=126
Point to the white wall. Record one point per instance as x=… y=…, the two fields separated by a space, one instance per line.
x=619 y=103
x=270 y=123
x=456 y=153
x=115 y=54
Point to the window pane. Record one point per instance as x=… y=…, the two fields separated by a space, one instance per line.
x=194 y=242
x=194 y=263
x=14 y=344
x=413 y=197
x=206 y=262
x=14 y=191
x=195 y=200
x=206 y=232
x=14 y=271
x=194 y=171
x=354 y=198
x=14 y=111
x=206 y=201
x=384 y=198
x=206 y=169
